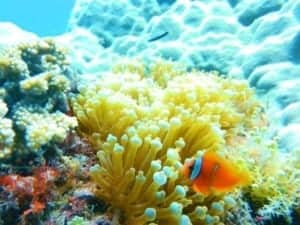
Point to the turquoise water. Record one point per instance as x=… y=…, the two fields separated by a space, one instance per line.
x=45 y=18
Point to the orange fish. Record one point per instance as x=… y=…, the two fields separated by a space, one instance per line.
x=212 y=173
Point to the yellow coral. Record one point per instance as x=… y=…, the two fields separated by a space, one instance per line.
x=43 y=82
x=144 y=126
x=42 y=128
x=276 y=187
x=7 y=133
x=34 y=87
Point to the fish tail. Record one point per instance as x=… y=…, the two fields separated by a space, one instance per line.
x=246 y=178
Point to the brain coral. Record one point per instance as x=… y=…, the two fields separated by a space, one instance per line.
x=145 y=124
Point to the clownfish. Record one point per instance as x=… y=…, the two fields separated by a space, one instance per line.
x=212 y=173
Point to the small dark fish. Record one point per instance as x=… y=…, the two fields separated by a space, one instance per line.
x=158 y=37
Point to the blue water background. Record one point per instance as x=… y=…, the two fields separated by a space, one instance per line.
x=43 y=17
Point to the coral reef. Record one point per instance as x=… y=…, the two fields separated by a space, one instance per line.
x=258 y=40
x=35 y=188
x=144 y=123
x=76 y=220
x=137 y=126
x=275 y=191
x=33 y=85
x=7 y=133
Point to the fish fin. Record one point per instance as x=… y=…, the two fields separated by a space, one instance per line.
x=214 y=156
x=201 y=189
x=222 y=190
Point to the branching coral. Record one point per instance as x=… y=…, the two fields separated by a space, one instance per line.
x=7 y=133
x=42 y=128
x=22 y=72
x=33 y=86
x=143 y=127
x=275 y=191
